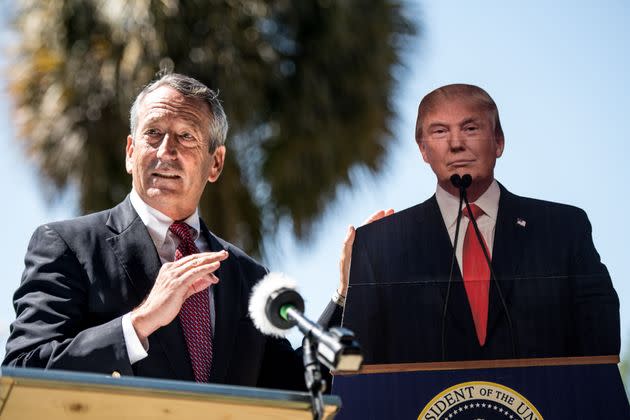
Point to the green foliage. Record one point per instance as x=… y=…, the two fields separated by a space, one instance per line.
x=307 y=88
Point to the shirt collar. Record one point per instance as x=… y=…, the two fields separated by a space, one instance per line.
x=157 y=223
x=488 y=202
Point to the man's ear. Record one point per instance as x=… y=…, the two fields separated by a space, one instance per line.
x=129 y=154
x=500 y=146
x=218 y=159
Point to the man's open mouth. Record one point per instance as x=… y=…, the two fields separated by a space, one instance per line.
x=167 y=176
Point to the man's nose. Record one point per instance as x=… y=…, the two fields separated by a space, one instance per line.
x=456 y=140
x=168 y=147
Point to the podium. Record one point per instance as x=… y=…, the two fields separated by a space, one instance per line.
x=531 y=389
x=54 y=395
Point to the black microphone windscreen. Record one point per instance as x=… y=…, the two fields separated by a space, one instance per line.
x=466 y=180
x=456 y=180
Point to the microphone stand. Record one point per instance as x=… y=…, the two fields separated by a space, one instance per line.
x=456 y=180
x=336 y=348
x=276 y=305
x=493 y=277
x=313 y=377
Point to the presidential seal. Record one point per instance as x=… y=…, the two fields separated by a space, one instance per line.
x=479 y=401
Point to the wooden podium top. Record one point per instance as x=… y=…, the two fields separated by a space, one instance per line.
x=484 y=364
x=27 y=394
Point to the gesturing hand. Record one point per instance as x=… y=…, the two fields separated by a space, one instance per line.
x=175 y=282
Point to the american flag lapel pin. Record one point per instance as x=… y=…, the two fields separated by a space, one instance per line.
x=521 y=222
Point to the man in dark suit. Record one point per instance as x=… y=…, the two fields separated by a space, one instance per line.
x=412 y=298
x=145 y=288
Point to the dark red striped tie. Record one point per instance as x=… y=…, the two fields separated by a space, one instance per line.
x=476 y=275
x=195 y=312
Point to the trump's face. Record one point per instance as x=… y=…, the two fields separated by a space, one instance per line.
x=458 y=137
x=168 y=155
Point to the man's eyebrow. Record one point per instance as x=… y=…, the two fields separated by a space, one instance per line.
x=189 y=121
x=462 y=123
x=437 y=123
x=151 y=120
x=469 y=120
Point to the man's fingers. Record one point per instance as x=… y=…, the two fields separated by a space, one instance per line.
x=346 y=251
x=344 y=261
x=202 y=284
x=201 y=258
x=199 y=285
x=378 y=215
x=374 y=217
x=178 y=280
x=194 y=273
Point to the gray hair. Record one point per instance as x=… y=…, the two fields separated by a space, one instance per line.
x=190 y=88
x=458 y=91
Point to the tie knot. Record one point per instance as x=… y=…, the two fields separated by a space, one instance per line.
x=476 y=211
x=182 y=231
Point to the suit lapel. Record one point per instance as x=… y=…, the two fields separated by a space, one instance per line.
x=226 y=309
x=137 y=254
x=134 y=248
x=506 y=255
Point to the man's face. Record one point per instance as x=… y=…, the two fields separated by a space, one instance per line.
x=458 y=137
x=168 y=155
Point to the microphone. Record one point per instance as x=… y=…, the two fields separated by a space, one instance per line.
x=463 y=182
x=466 y=181
x=493 y=277
x=275 y=307
x=460 y=182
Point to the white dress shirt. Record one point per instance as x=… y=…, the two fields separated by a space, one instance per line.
x=166 y=242
x=487 y=222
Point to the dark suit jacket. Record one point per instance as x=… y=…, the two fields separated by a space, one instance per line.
x=559 y=295
x=81 y=276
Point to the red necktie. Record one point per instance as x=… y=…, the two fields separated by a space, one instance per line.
x=195 y=312
x=476 y=275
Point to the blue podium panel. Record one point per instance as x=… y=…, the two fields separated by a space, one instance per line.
x=532 y=393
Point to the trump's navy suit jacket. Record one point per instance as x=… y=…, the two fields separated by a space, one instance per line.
x=81 y=276
x=558 y=294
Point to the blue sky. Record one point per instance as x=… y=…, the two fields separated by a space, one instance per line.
x=559 y=74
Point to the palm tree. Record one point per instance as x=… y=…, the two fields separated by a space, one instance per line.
x=307 y=87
